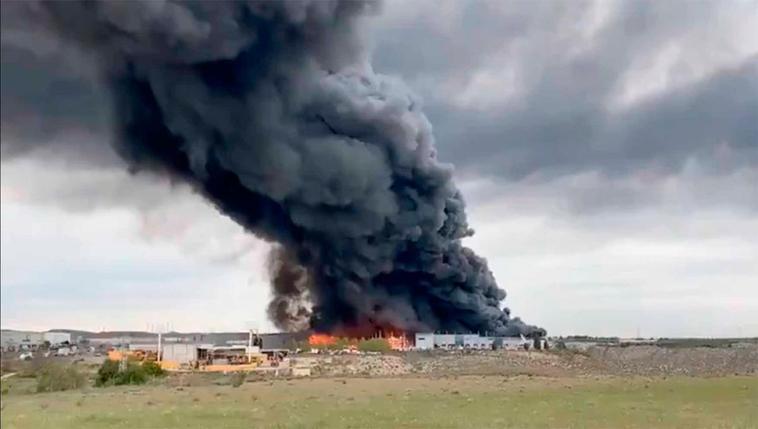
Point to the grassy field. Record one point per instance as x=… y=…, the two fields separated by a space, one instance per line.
x=463 y=402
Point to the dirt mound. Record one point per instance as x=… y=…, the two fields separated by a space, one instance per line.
x=362 y=365
x=651 y=360
x=636 y=360
x=487 y=362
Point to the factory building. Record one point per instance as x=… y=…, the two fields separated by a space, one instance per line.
x=12 y=340
x=57 y=338
x=515 y=343
x=146 y=347
x=445 y=341
x=121 y=338
x=424 y=341
x=430 y=341
x=283 y=340
x=184 y=353
x=475 y=341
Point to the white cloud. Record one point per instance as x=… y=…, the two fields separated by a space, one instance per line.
x=99 y=269
x=658 y=272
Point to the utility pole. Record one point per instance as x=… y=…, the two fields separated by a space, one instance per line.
x=159 y=329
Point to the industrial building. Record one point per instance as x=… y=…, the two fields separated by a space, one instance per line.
x=430 y=341
x=56 y=338
x=446 y=341
x=195 y=356
x=120 y=338
x=228 y=351
x=424 y=341
x=12 y=340
x=273 y=341
x=184 y=353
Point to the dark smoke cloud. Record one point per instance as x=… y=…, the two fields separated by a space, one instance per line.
x=570 y=66
x=290 y=307
x=270 y=111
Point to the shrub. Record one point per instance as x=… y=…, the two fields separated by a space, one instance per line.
x=111 y=373
x=374 y=345
x=7 y=366
x=153 y=369
x=133 y=374
x=107 y=373
x=56 y=377
x=339 y=344
x=238 y=378
x=30 y=368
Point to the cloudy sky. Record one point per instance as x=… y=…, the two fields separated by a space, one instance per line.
x=608 y=152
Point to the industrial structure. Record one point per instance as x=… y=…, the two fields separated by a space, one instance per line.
x=197 y=350
x=431 y=341
x=12 y=340
x=223 y=352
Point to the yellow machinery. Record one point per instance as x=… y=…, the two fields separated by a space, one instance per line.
x=133 y=355
x=233 y=360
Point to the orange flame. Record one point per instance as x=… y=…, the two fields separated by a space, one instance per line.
x=396 y=341
x=322 y=340
x=399 y=342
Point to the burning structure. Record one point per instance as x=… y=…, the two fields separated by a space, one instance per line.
x=396 y=342
x=272 y=112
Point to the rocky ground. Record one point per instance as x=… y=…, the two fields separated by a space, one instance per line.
x=634 y=360
x=651 y=360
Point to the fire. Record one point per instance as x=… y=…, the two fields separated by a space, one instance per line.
x=399 y=342
x=322 y=340
x=396 y=341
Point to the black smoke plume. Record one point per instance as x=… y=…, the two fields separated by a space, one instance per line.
x=290 y=285
x=271 y=111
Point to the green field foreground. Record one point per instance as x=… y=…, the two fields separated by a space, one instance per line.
x=462 y=402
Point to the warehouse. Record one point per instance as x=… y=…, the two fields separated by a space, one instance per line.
x=12 y=340
x=424 y=341
x=445 y=341
x=185 y=353
x=429 y=341
x=475 y=341
x=57 y=338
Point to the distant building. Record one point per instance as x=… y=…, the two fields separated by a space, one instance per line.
x=184 y=353
x=121 y=338
x=515 y=343
x=145 y=347
x=56 y=338
x=20 y=340
x=445 y=341
x=283 y=340
x=475 y=341
x=425 y=341
x=221 y=338
x=428 y=341
x=578 y=345
x=637 y=341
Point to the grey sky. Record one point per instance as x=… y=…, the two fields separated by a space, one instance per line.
x=608 y=151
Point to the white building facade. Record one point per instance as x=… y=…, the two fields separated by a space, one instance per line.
x=55 y=338
x=11 y=340
x=424 y=341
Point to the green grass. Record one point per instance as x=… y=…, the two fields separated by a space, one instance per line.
x=463 y=402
